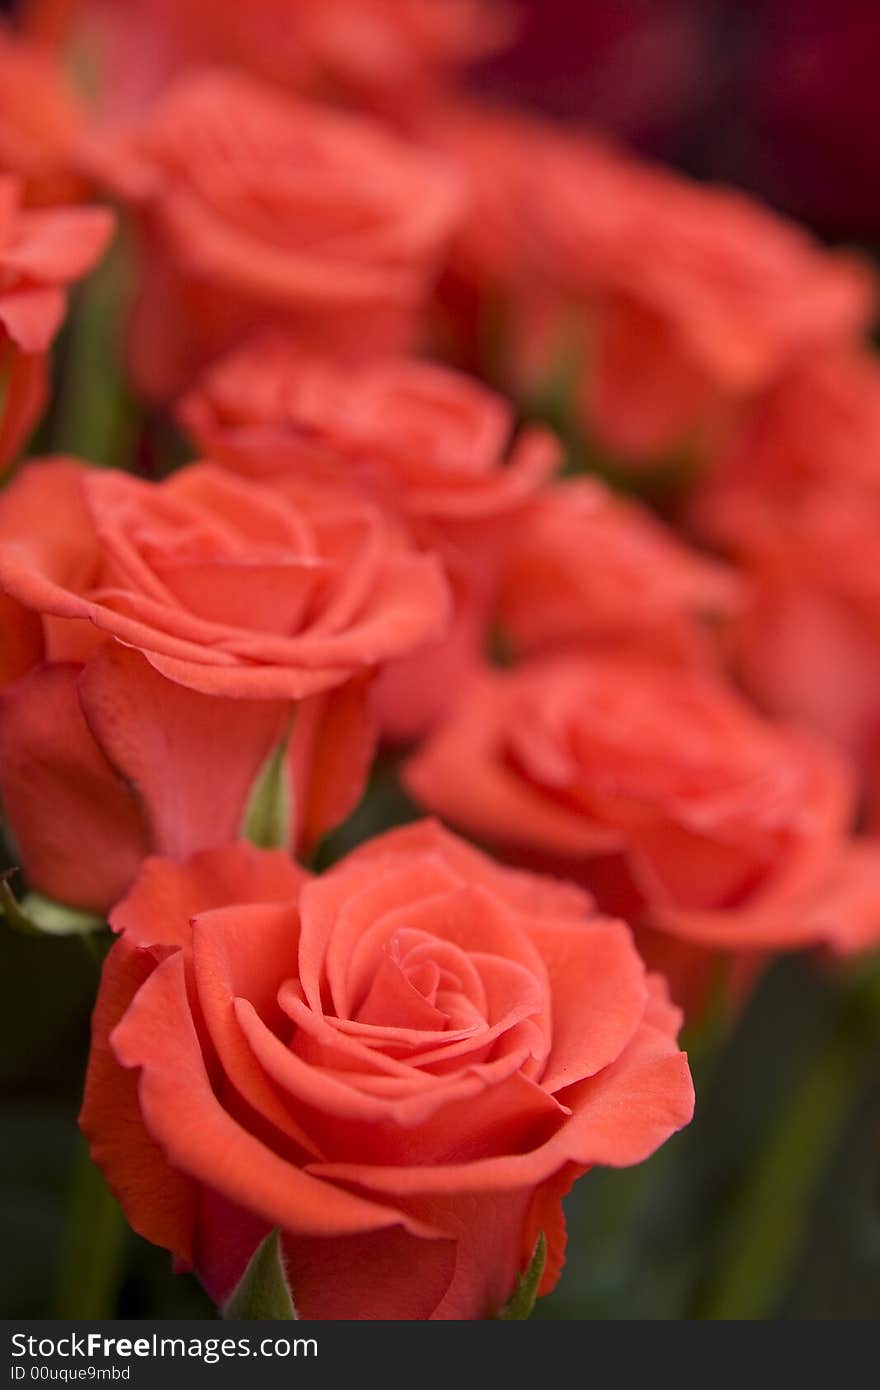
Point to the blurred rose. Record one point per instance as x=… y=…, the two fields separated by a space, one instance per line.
x=589 y=568
x=431 y=444
x=240 y=600
x=656 y=788
x=689 y=299
x=795 y=496
x=401 y=1065
x=40 y=119
x=389 y=54
x=42 y=251
x=258 y=210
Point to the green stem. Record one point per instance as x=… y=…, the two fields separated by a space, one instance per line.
x=91 y=1262
x=96 y=417
x=773 y=1209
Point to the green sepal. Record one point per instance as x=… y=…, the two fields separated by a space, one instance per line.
x=39 y=916
x=263 y=1292
x=268 y=816
x=521 y=1302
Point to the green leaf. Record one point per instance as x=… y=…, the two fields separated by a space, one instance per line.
x=268 y=817
x=521 y=1302
x=263 y=1293
x=39 y=916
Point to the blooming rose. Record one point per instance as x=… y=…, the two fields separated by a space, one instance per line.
x=40 y=117
x=795 y=497
x=430 y=443
x=389 y=54
x=236 y=601
x=655 y=787
x=402 y=1065
x=686 y=300
x=42 y=251
x=257 y=209
x=591 y=568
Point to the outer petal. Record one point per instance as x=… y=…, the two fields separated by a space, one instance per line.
x=383 y=1274
x=32 y=315
x=160 y=906
x=21 y=640
x=60 y=244
x=26 y=392
x=192 y=758
x=597 y=983
x=79 y=828
x=331 y=748
x=160 y=1203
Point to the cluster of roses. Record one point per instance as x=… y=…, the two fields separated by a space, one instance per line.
x=404 y=1062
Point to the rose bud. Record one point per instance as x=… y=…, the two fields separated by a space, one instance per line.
x=402 y=1066
x=42 y=251
x=187 y=629
x=660 y=791
x=259 y=210
x=431 y=444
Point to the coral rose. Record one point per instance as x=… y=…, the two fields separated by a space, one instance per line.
x=592 y=569
x=402 y=1065
x=690 y=299
x=388 y=54
x=430 y=443
x=658 y=789
x=236 y=601
x=42 y=251
x=795 y=497
x=40 y=118
x=257 y=209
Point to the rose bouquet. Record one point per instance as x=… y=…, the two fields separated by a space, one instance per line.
x=325 y=572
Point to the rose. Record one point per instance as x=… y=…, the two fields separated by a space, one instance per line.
x=227 y=586
x=257 y=209
x=430 y=443
x=591 y=569
x=688 y=300
x=40 y=118
x=402 y=1065
x=237 y=601
x=795 y=497
x=41 y=253
x=657 y=788
x=387 y=53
